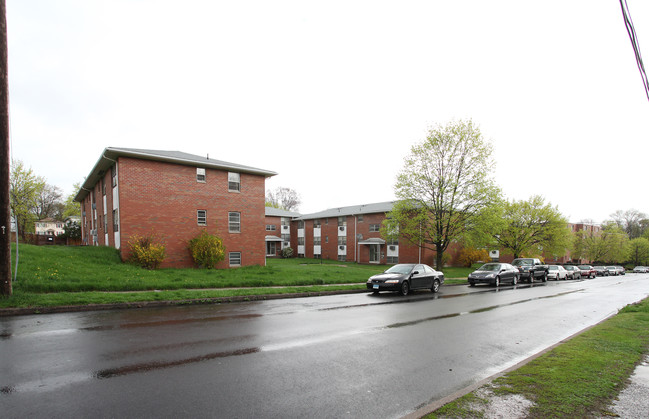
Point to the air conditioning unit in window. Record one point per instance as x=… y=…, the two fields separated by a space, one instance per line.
x=341 y=247
x=393 y=247
x=341 y=228
x=284 y=227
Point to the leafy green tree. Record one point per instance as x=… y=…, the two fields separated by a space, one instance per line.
x=445 y=183
x=609 y=246
x=72 y=230
x=530 y=228
x=70 y=206
x=638 y=251
x=24 y=191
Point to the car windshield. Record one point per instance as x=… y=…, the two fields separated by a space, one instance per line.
x=584 y=267
x=553 y=268
x=522 y=262
x=399 y=269
x=489 y=267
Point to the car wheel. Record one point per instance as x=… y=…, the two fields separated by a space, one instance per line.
x=375 y=292
x=435 y=287
x=472 y=284
x=531 y=277
x=497 y=282
x=515 y=280
x=545 y=277
x=405 y=288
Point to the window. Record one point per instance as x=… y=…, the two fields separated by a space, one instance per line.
x=113 y=174
x=392 y=259
x=115 y=221
x=271 y=227
x=375 y=228
x=201 y=217
x=235 y=258
x=316 y=223
x=342 y=258
x=234 y=222
x=342 y=240
x=234 y=182
x=300 y=225
x=200 y=175
x=300 y=241
x=317 y=241
x=360 y=218
x=342 y=221
x=286 y=237
x=103 y=186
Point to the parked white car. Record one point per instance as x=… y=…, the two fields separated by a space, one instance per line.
x=557 y=272
x=641 y=269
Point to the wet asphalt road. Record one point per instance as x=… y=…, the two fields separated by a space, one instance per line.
x=358 y=355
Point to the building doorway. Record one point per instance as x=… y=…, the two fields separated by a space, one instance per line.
x=375 y=253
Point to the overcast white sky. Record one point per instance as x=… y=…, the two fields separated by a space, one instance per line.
x=332 y=94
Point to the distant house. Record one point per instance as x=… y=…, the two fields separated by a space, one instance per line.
x=49 y=227
x=174 y=195
x=278 y=230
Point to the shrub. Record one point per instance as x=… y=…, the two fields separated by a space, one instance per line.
x=287 y=252
x=469 y=256
x=146 y=251
x=207 y=250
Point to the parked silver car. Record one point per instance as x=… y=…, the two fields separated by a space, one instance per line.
x=573 y=271
x=557 y=272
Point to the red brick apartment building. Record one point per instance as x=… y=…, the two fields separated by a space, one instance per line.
x=278 y=230
x=174 y=195
x=352 y=234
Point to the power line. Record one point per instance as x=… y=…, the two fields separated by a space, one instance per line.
x=634 y=42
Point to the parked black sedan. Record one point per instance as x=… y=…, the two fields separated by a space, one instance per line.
x=405 y=277
x=494 y=274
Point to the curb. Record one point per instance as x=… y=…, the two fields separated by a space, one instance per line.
x=6 y=312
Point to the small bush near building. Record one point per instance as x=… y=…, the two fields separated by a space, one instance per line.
x=146 y=251
x=287 y=252
x=207 y=250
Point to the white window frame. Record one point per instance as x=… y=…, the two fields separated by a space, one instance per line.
x=201 y=177
x=233 y=257
x=234 y=182
x=236 y=223
x=201 y=220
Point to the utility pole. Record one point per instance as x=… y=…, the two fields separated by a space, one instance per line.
x=5 y=218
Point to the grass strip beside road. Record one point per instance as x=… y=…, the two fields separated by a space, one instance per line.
x=579 y=378
x=51 y=276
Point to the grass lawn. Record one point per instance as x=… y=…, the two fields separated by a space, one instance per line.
x=579 y=378
x=60 y=275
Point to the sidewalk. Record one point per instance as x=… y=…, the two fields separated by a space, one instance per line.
x=633 y=401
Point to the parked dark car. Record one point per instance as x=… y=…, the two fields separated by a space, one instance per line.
x=405 y=277
x=601 y=271
x=494 y=274
x=531 y=269
x=573 y=271
x=588 y=271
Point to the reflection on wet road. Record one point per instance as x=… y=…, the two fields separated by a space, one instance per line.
x=358 y=355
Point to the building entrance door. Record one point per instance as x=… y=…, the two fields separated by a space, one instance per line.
x=375 y=253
